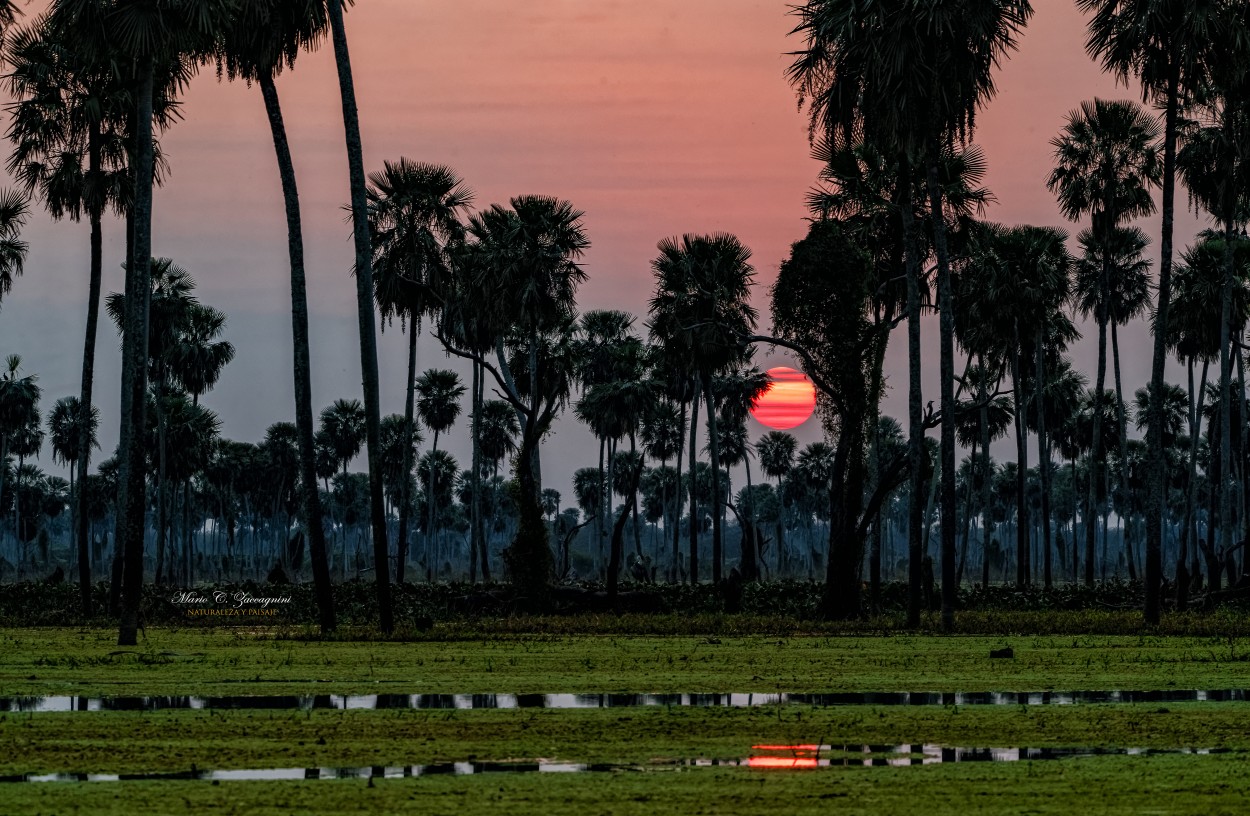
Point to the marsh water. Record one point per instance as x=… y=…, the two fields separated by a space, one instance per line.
x=574 y=701
x=764 y=757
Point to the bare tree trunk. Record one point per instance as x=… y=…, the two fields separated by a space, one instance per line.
x=1154 y=433
x=310 y=499
x=1129 y=554
x=405 y=494
x=365 y=316
x=132 y=475
x=915 y=417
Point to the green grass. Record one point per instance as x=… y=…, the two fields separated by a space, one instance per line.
x=453 y=659
x=1101 y=785
x=123 y=742
x=224 y=661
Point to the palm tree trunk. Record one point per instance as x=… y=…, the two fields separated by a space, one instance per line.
x=475 y=480
x=750 y=567
x=1043 y=460
x=162 y=494
x=310 y=497
x=599 y=512
x=1095 y=451
x=915 y=417
x=1226 y=483
x=1154 y=432
x=714 y=450
x=1022 y=469
x=694 y=516
x=83 y=463
x=431 y=537
x=365 y=316
x=477 y=446
x=132 y=481
x=1129 y=554
x=675 y=575
x=637 y=533
x=946 y=324
x=986 y=486
x=405 y=496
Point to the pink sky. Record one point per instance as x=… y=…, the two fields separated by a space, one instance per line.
x=656 y=118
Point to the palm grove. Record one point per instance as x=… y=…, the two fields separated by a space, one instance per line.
x=898 y=230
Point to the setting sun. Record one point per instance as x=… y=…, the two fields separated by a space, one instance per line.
x=788 y=402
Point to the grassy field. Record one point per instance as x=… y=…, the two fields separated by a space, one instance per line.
x=225 y=661
x=1109 y=786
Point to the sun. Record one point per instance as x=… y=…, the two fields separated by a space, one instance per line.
x=788 y=402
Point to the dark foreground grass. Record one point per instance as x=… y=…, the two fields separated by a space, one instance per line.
x=168 y=741
x=232 y=661
x=1096 y=785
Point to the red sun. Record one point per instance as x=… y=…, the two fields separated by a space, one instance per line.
x=788 y=402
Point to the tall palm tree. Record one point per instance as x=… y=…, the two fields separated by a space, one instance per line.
x=1112 y=285
x=700 y=312
x=515 y=295
x=911 y=80
x=363 y=271
x=166 y=37
x=438 y=402
x=602 y=331
x=415 y=212
x=265 y=36
x=1107 y=161
x=1215 y=165
x=1169 y=45
x=1195 y=334
x=614 y=407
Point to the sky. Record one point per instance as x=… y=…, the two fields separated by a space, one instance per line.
x=655 y=118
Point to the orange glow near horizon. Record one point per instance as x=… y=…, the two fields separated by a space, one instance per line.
x=788 y=402
x=781 y=762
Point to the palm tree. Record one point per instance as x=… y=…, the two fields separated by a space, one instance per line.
x=663 y=434
x=736 y=392
x=1215 y=164
x=438 y=470
x=602 y=330
x=1106 y=163
x=776 y=452
x=160 y=36
x=1168 y=45
x=1194 y=335
x=514 y=295
x=438 y=402
x=364 y=310
x=415 y=212
x=700 y=312
x=910 y=81
x=614 y=408
x=14 y=211
x=66 y=435
x=1112 y=284
x=266 y=35
x=343 y=427
x=19 y=407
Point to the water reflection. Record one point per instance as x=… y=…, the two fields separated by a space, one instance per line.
x=611 y=700
x=767 y=757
